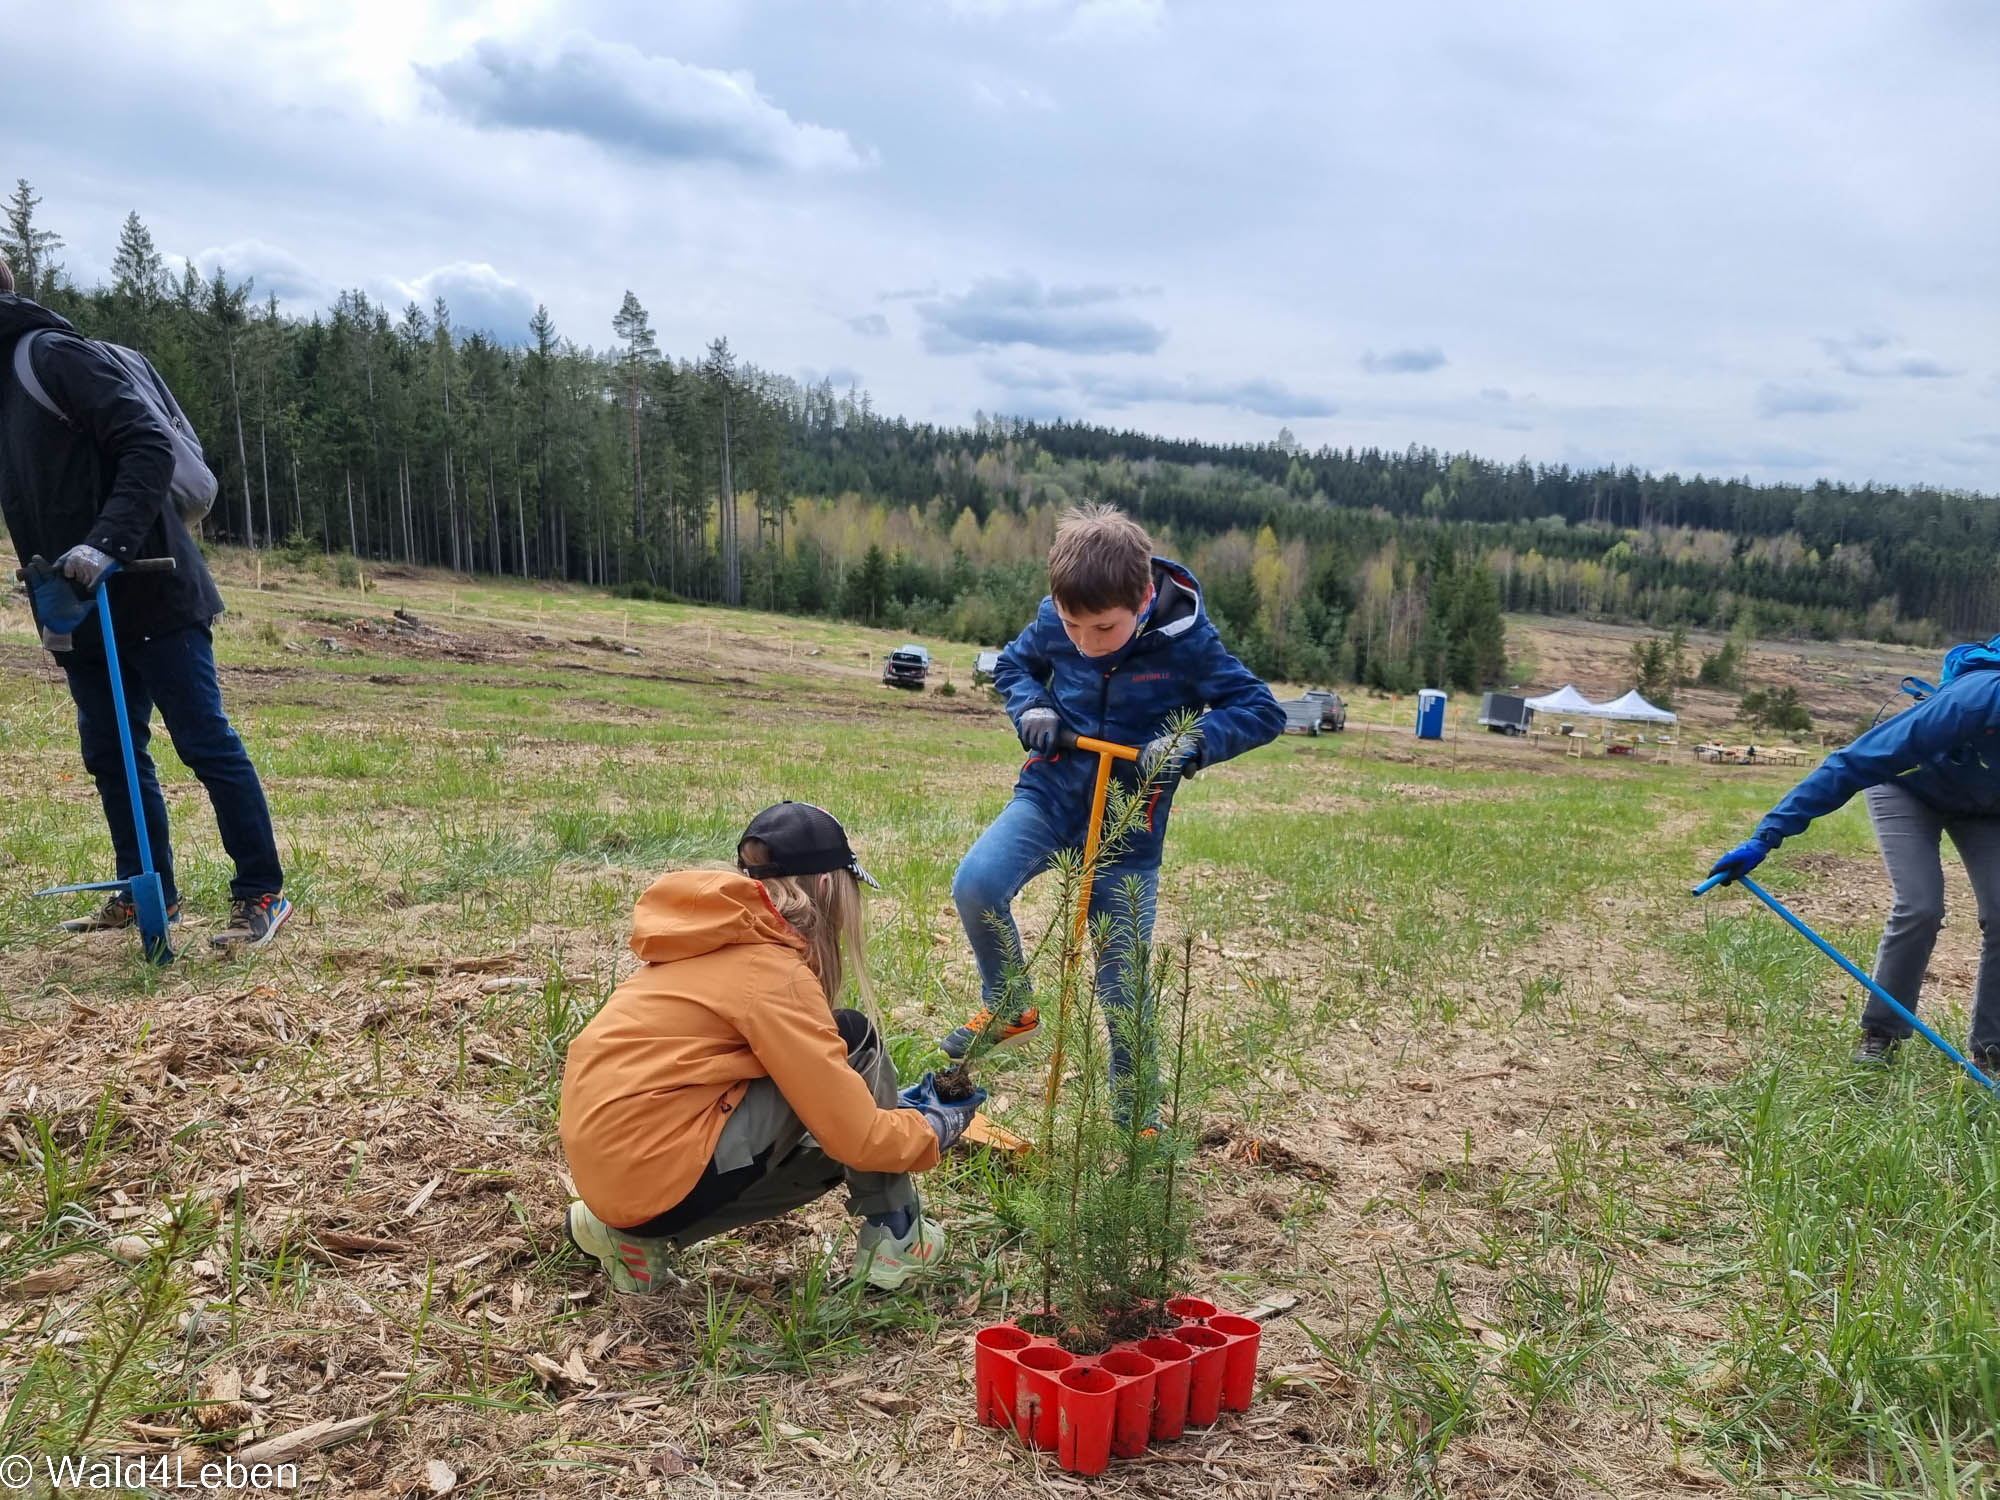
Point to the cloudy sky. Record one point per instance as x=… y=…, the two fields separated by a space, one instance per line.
x=1708 y=235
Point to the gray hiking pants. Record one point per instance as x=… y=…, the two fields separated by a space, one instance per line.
x=797 y=1172
x=1910 y=835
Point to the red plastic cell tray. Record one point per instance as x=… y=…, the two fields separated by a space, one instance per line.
x=1090 y=1408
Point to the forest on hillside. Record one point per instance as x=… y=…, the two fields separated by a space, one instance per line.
x=396 y=435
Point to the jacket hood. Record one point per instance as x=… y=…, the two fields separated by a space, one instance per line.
x=18 y=316
x=1176 y=599
x=692 y=912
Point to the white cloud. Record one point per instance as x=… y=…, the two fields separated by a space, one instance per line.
x=615 y=94
x=276 y=272
x=479 y=298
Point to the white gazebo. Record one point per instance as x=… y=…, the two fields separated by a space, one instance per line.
x=1567 y=700
x=1636 y=709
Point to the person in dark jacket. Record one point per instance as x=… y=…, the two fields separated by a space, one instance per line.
x=1931 y=771
x=90 y=489
x=1119 y=648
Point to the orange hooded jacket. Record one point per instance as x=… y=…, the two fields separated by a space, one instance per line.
x=725 y=997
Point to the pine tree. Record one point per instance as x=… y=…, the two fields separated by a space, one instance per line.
x=641 y=349
x=136 y=268
x=29 y=251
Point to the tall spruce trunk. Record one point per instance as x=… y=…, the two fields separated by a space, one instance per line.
x=242 y=454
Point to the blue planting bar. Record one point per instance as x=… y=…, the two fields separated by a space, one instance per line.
x=1867 y=983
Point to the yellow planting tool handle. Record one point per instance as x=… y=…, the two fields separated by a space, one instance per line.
x=1106 y=752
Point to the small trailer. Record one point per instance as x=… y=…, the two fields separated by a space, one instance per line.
x=1314 y=712
x=984 y=665
x=1504 y=713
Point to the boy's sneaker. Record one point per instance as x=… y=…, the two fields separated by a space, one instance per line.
x=956 y=1044
x=887 y=1259
x=116 y=912
x=1877 y=1049
x=631 y=1262
x=252 y=924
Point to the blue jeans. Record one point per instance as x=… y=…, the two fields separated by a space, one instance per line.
x=1014 y=850
x=176 y=672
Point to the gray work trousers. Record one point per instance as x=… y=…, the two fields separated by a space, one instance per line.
x=1910 y=834
x=799 y=1172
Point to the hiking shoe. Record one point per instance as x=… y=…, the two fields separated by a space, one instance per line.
x=887 y=1259
x=959 y=1042
x=252 y=924
x=631 y=1262
x=1986 y=1059
x=1877 y=1049
x=117 y=912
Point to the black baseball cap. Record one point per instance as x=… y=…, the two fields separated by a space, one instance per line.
x=801 y=840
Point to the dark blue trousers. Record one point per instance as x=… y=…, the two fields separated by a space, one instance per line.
x=175 y=673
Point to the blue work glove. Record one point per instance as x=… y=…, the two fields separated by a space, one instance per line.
x=1740 y=861
x=83 y=566
x=947 y=1121
x=1171 y=755
x=1039 y=727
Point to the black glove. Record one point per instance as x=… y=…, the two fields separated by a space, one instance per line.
x=1172 y=755
x=947 y=1120
x=83 y=566
x=1039 y=727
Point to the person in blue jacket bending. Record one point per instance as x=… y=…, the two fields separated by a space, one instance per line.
x=1120 y=646
x=1931 y=770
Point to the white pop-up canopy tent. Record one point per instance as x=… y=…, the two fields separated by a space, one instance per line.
x=1633 y=707
x=1567 y=700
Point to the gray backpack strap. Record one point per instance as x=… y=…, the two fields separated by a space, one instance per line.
x=24 y=371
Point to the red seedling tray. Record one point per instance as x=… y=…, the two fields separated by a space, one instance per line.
x=1088 y=1408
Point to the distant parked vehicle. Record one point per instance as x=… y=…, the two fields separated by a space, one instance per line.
x=1504 y=713
x=908 y=666
x=1315 y=712
x=984 y=665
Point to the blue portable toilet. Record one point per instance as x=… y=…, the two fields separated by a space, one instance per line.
x=1430 y=714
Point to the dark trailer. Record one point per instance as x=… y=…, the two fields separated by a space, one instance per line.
x=1503 y=713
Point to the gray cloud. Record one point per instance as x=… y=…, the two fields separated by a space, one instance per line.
x=1495 y=393
x=1867 y=354
x=1115 y=391
x=1801 y=400
x=870 y=326
x=1021 y=378
x=1403 y=361
x=1265 y=397
x=1004 y=310
x=615 y=94
x=840 y=376
x=1985 y=439
x=481 y=300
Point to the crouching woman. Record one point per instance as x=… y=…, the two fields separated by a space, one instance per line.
x=718 y=1086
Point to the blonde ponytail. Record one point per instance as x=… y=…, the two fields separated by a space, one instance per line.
x=826 y=912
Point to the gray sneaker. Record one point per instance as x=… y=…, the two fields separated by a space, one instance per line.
x=631 y=1262
x=1877 y=1049
x=252 y=924
x=114 y=915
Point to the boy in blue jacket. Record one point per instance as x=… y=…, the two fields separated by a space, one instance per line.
x=1120 y=645
x=1931 y=770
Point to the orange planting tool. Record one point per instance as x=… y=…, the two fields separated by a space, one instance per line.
x=1106 y=753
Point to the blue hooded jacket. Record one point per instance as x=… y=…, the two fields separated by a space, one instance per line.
x=1945 y=752
x=1176 y=661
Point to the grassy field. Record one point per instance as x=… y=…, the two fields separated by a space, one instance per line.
x=1565 y=1172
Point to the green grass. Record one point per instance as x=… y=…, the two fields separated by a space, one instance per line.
x=1365 y=909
